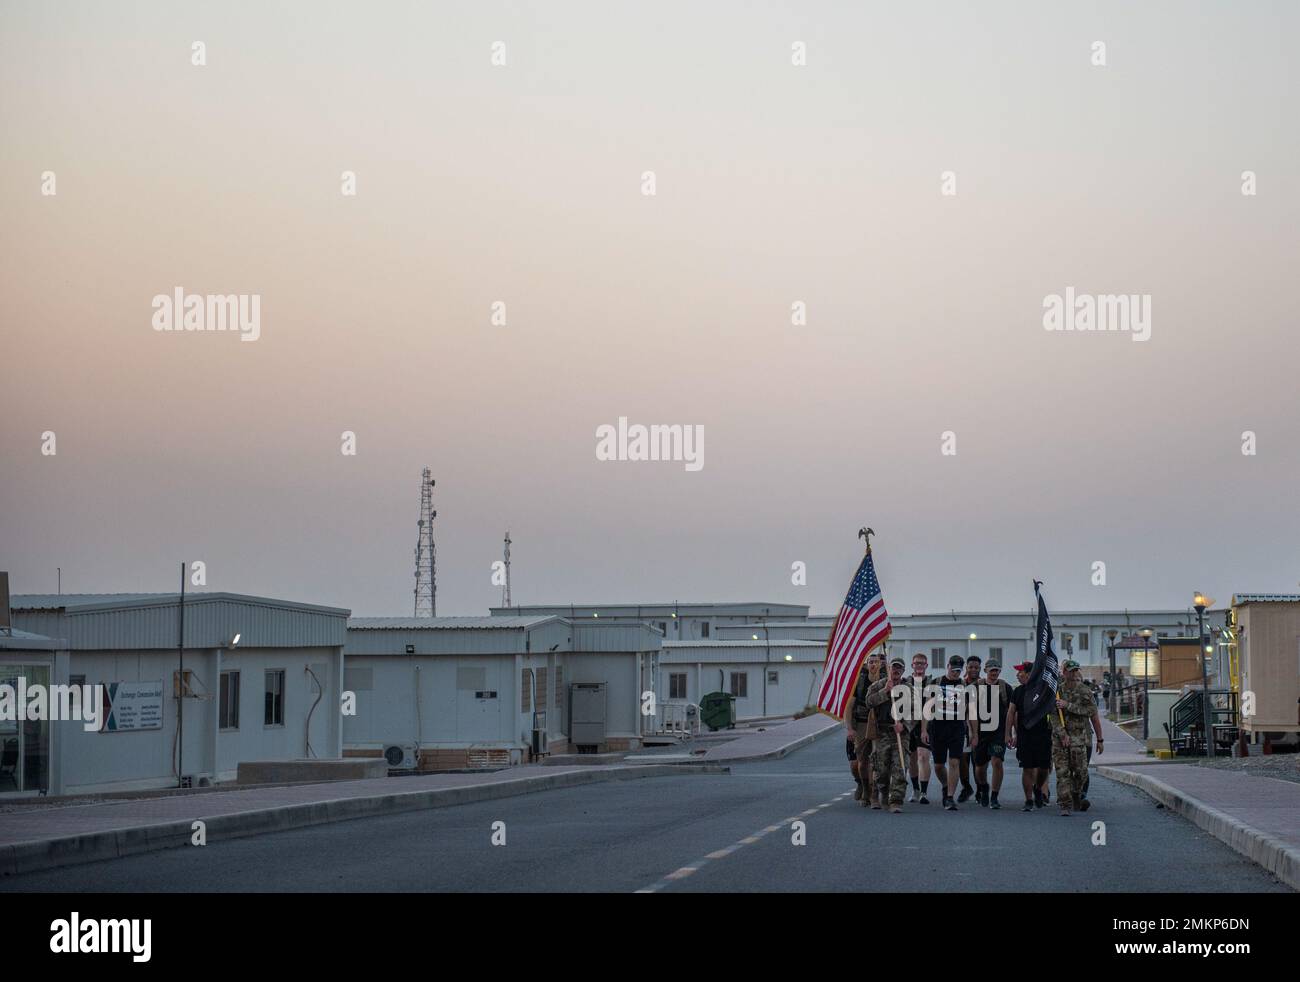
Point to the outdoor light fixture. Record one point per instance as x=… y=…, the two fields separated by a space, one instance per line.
x=1146 y=633
x=754 y=636
x=235 y=640
x=789 y=657
x=972 y=637
x=1201 y=602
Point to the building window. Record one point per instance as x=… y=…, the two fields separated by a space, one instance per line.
x=1083 y=641
x=995 y=654
x=772 y=677
x=663 y=626
x=526 y=690
x=704 y=629
x=541 y=688
x=677 y=685
x=274 y=714
x=937 y=654
x=228 y=707
x=740 y=684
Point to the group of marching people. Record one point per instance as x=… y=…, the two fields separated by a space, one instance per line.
x=894 y=736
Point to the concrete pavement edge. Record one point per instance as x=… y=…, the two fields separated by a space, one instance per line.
x=43 y=854
x=1259 y=847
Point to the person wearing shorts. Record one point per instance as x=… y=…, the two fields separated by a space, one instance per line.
x=1033 y=746
x=949 y=730
x=972 y=677
x=992 y=745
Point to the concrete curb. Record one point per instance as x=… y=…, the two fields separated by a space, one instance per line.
x=1272 y=854
x=776 y=754
x=43 y=854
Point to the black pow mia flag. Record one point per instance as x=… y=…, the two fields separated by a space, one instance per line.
x=1045 y=676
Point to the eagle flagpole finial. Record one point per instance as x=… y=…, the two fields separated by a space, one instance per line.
x=866 y=533
x=1037 y=584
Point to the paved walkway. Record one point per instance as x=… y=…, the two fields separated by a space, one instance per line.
x=773 y=741
x=1120 y=748
x=1256 y=815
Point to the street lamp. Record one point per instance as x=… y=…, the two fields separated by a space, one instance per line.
x=1146 y=633
x=1201 y=602
x=1114 y=695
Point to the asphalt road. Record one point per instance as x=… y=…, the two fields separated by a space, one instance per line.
x=717 y=833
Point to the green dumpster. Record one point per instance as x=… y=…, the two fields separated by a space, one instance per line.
x=718 y=710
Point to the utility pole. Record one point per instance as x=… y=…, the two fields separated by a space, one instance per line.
x=426 y=563
x=180 y=688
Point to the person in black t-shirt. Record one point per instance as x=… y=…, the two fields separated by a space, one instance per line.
x=972 y=677
x=992 y=746
x=1033 y=746
x=949 y=728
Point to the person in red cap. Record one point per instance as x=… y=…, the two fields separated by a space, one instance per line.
x=1033 y=746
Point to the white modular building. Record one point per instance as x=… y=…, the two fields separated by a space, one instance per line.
x=1084 y=636
x=451 y=692
x=674 y=621
x=767 y=679
x=254 y=679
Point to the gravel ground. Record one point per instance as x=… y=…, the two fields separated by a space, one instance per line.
x=1283 y=766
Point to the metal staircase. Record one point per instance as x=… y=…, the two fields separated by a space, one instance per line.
x=1187 y=723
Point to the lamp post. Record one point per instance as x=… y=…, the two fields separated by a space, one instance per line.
x=1201 y=602
x=1114 y=693
x=1146 y=683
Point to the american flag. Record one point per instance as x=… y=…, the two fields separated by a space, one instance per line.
x=863 y=623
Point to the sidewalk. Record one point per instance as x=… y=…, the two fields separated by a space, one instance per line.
x=1259 y=817
x=773 y=741
x=1121 y=749
x=45 y=838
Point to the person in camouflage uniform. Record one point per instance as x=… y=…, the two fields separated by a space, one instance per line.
x=887 y=763
x=1075 y=703
x=862 y=732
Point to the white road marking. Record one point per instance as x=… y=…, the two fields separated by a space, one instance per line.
x=723 y=853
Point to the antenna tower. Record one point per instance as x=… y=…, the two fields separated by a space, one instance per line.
x=426 y=562
x=507 y=595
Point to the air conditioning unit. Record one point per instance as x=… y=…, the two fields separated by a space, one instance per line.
x=402 y=756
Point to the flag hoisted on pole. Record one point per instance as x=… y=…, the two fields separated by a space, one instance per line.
x=862 y=624
x=1045 y=677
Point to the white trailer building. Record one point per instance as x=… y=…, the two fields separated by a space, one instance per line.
x=451 y=692
x=261 y=681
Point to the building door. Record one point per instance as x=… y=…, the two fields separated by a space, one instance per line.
x=24 y=743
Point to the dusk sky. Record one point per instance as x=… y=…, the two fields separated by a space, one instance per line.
x=775 y=183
